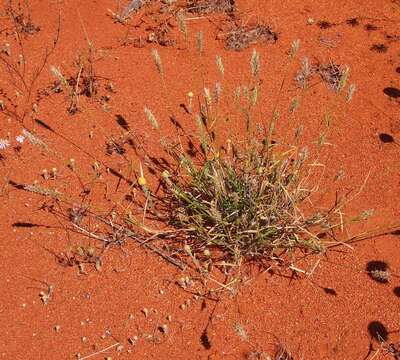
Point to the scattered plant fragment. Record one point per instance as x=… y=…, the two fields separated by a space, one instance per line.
x=331 y=73
x=210 y=6
x=22 y=18
x=379 y=48
x=241 y=37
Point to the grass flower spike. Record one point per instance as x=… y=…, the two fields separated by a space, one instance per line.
x=4 y=143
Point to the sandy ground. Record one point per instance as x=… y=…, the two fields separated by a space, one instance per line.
x=131 y=305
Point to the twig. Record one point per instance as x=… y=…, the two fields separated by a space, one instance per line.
x=92 y=235
x=144 y=243
x=99 y=352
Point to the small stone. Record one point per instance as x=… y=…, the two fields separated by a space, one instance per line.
x=164 y=329
x=120 y=347
x=145 y=311
x=57 y=328
x=84 y=339
x=182 y=283
x=98 y=264
x=310 y=21
x=183 y=307
x=169 y=317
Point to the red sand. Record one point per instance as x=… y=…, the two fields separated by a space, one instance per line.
x=89 y=312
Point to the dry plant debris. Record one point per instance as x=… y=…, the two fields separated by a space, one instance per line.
x=241 y=37
x=22 y=18
x=331 y=73
x=210 y=6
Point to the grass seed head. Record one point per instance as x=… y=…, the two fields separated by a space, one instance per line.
x=220 y=65
x=152 y=119
x=34 y=140
x=255 y=63
x=344 y=76
x=182 y=23
x=350 y=93
x=200 y=42
x=157 y=61
x=207 y=95
x=254 y=95
x=294 y=48
x=294 y=105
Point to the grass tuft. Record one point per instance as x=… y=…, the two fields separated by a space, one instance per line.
x=247 y=200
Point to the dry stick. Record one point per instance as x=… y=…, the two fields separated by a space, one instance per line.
x=99 y=352
x=380 y=231
x=145 y=243
x=92 y=235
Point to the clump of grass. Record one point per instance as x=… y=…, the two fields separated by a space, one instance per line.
x=244 y=204
x=241 y=200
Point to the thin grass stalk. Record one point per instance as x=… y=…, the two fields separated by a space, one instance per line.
x=293 y=52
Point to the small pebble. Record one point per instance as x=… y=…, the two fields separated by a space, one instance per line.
x=164 y=328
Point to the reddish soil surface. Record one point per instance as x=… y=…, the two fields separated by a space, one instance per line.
x=334 y=313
